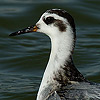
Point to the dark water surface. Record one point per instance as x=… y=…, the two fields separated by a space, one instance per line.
x=23 y=58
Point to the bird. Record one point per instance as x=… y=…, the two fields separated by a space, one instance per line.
x=61 y=79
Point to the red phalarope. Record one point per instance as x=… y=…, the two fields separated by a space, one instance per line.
x=61 y=79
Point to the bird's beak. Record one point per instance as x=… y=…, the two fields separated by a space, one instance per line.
x=26 y=30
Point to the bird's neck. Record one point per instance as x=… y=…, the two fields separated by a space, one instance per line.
x=60 y=68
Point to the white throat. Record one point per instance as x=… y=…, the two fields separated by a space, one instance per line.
x=61 y=47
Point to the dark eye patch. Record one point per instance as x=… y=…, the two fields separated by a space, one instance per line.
x=49 y=20
x=60 y=25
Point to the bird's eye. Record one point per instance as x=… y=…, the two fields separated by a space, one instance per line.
x=49 y=20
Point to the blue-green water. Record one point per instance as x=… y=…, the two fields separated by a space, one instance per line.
x=23 y=58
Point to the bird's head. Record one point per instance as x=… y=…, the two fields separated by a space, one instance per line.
x=53 y=22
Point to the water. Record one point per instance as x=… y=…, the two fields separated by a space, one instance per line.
x=23 y=58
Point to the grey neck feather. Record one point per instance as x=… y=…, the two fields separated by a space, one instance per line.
x=69 y=73
x=60 y=70
x=60 y=67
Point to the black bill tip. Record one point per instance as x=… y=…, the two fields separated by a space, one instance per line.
x=23 y=31
x=15 y=33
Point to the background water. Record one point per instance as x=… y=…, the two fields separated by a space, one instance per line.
x=23 y=58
